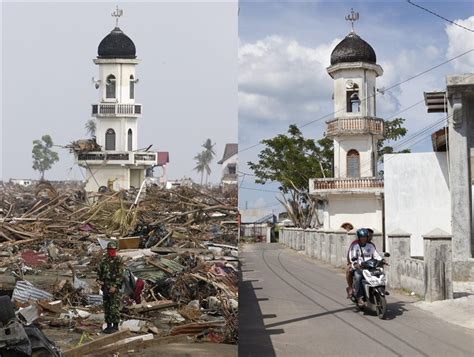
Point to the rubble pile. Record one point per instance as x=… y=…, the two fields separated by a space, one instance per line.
x=179 y=247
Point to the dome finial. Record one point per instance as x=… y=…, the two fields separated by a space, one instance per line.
x=117 y=13
x=352 y=17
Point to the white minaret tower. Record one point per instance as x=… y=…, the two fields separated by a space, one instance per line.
x=353 y=197
x=355 y=127
x=119 y=165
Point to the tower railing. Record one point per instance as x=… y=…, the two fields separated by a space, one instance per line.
x=357 y=125
x=125 y=157
x=112 y=109
x=349 y=183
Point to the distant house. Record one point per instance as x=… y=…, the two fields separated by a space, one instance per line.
x=257 y=223
x=22 y=182
x=229 y=164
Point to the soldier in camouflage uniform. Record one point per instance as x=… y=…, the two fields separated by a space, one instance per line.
x=110 y=276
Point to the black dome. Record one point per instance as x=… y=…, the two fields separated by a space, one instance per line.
x=116 y=45
x=353 y=49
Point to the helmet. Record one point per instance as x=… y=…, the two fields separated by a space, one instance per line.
x=112 y=245
x=362 y=232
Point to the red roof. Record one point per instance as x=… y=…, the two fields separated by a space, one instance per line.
x=163 y=158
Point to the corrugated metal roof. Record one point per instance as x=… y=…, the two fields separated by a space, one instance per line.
x=25 y=291
x=171 y=264
x=94 y=299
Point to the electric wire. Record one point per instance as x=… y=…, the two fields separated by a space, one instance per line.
x=441 y=17
x=375 y=94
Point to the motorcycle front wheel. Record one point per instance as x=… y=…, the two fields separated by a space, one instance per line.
x=380 y=306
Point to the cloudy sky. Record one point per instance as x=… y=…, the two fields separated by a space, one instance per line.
x=188 y=78
x=285 y=47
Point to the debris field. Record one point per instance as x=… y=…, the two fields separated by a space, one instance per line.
x=181 y=264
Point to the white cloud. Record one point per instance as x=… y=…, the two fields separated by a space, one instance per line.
x=461 y=40
x=280 y=79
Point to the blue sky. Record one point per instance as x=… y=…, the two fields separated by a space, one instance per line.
x=284 y=49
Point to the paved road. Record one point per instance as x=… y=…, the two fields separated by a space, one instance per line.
x=291 y=305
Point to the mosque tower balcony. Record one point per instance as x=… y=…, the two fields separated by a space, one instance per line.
x=356 y=125
x=116 y=110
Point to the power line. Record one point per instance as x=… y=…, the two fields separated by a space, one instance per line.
x=259 y=189
x=375 y=94
x=441 y=17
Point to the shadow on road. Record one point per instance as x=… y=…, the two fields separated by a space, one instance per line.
x=395 y=309
x=254 y=337
x=308 y=317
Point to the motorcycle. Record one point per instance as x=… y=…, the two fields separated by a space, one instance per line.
x=373 y=286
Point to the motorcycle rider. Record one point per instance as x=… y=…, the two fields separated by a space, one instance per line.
x=358 y=253
x=349 y=274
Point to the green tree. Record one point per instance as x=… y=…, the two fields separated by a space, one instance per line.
x=90 y=127
x=202 y=164
x=291 y=160
x=394 y=131
x=43 y=156
x=208 y=156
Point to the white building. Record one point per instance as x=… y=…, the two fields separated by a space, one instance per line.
x=119 y=164
x=229 y=164
x=353 y=198
x=22 y=182
x=417 y=195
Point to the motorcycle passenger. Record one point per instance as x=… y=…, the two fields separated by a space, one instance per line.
x=361 y=251
x=349 y=272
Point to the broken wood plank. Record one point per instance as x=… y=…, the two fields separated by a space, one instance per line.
x=102 y=341
x=151 y=306
x=127 y=343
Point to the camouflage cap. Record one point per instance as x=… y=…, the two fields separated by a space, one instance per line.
x=112 y=245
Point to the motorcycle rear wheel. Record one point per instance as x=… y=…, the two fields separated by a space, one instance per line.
x=380 y=306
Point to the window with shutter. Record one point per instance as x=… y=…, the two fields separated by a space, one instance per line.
x=110 y=139
x=129 y=139
x=110 y=87
x=132 y=87
x=353 y=164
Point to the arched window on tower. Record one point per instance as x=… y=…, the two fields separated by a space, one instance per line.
x=132 y=87
x=353 y=163
x=110 y=139
x=129 y=138
x=352 y=97
x=110 y=87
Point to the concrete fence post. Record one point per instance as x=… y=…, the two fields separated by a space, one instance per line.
x=438 y=265
x=313 y=236
x=302 y=241
x=332 y=254
x=341 y=249
x=307 y=243
x=346 y=243
x=399 y=248
x=319 y=246
x=323 y=245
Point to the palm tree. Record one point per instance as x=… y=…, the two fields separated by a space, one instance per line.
x=208 y=154
x=90 y=127
x=200 y=164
